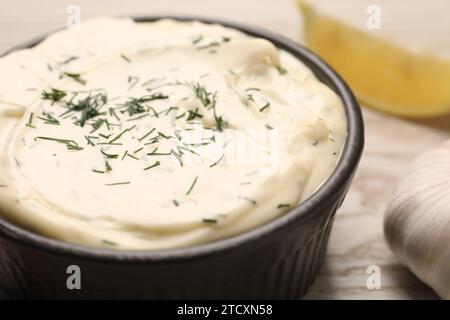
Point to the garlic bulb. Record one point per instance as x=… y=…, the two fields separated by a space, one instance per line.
x=417 y=221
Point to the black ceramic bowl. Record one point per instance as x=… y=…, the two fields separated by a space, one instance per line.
x=277 y=260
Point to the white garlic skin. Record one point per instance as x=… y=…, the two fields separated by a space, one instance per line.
x=417 y=220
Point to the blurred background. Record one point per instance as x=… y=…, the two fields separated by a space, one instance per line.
x=357 y=244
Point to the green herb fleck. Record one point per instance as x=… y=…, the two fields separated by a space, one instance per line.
x=192 y=115
x=281 y=70
x=108 y=167
x=132 y=80
x=30 y=121
x=209 y=220
x=108 y=242
x=192 y=186
x=89 y=141
x=248 y=199
x=155 y=153
x=132 y=156
x=146 y=135
x=157 y=163
x=108 y=155
x=197 y=40
x=68 y=60
x=75 y=76
x=117 y=183
x=53 y=95
x=265 y=107
x=49 y=119
x=177 y=156
x=124 y=57
x=70 y=144
x=88 y=106
x=137 y=105
x=121 y=134
x=217 y=162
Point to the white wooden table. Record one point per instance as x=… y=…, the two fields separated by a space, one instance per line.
x=357 y=238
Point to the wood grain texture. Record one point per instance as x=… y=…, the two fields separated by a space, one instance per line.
x=357 y=236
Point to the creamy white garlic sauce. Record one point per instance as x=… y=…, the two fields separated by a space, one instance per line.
x=159 y=135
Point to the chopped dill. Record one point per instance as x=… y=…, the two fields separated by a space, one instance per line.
x=253 y=202
x=192 y=186
x=192 y=115
x=88 y=106
x=54 y=95
x=217 y=162
x=108 y=167
x=89 y=141
x=70 y=144
x=30 y=121
x=132 y=80
x=177 y=156
x=132 y=156
x=267 y=105
x=68 y=60
x=108 y=242
x=209 y=220
x=157 y=163
x=197 y=39
x=117 y=183
x=281 y=70
x=146 y=135
x=124 y=57
x=75 y=76
x=49 y=119
x=121 y=134
x=108 y=155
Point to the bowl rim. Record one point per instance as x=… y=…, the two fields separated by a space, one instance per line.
x=338 y=179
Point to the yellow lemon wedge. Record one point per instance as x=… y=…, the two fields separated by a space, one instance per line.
x=383 y=72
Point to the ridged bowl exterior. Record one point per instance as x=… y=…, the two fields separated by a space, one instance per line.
x=281 y=267
x=277 y=261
